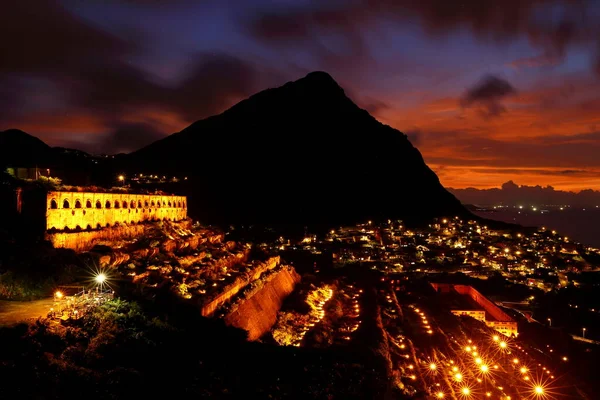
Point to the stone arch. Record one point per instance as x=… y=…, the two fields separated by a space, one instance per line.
x=88 y=204
x=152 y=203
x=98 y=204
x=77 y=228
x=140 y=204
x=146 y=203
x=158 y=204
x=179 y=204
x=67 y=229
x=117 y=204
x=107 y=204
x=169 y=204
x=66 y=203
x=108 y=225
x=98 y=226
x=53 y=204
x=132 y=204
x=184 y=204
x=88 y=227
x=125 y=204
x=78 y=203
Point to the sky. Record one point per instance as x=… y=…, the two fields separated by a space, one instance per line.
x=489 y=91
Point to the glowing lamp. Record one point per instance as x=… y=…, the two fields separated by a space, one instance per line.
x=100 y=279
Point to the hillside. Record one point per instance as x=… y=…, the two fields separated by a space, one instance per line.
x=300 y=153
x=18 y=148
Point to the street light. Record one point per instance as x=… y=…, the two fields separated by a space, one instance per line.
x=100 y=279
x=550 y=321
x=583 y=330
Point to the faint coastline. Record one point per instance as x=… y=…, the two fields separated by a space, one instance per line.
x=579 y=224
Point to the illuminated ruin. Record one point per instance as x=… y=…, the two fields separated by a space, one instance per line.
x=67 y=211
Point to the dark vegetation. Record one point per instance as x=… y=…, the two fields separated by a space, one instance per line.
x=34 y=270
x=124 y=350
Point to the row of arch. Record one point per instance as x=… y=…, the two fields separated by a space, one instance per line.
x=117 y=204
x=97 y=226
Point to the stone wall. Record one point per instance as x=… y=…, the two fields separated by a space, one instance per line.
x=258 y=314
x=229 y=291
x=86 y=210
x=84 y=241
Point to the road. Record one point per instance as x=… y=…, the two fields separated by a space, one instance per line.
x=13 y=312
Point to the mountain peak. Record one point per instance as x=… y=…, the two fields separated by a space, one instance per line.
x=302 y=152
x=321 y=76
x=320 y=80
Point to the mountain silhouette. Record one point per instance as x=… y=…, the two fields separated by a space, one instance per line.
x=21 y=149
x=300 y=153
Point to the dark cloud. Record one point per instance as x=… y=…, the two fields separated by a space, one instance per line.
x=11 y=102
x=551 y=25
x=415 y=137
x=557 y=152
x=41 y=36
x=542 y=60
x=213 y=81
x=90 y=67
x=488 y=93
x=373 y=106
x=129 y=137
x=513 y=194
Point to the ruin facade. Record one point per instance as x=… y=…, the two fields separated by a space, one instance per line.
x=488 y=312
x=66 y=211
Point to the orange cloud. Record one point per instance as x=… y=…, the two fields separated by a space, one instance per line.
x=546 y=129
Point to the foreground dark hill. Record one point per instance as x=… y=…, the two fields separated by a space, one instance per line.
x=300 y=153
x=20 y=150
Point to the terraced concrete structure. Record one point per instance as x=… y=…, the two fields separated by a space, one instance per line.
x=66 y=211
x=479 y=307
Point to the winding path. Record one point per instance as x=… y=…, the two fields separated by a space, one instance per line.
x=13 y=312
